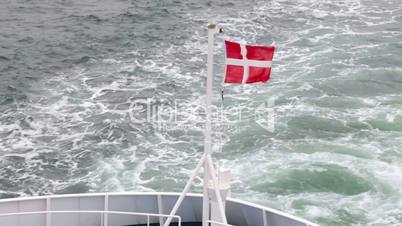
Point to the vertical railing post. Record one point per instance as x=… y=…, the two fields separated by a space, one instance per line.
x=106 y=208
x=264 y=218
x=160 y=210
x=48 y=215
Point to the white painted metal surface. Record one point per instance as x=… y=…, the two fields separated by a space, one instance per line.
x=224 y=178
x=79 y=210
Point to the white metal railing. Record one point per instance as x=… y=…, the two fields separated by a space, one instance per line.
x=102 y=213
x=159 y=195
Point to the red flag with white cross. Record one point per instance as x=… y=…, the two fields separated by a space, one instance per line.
x=248 y=64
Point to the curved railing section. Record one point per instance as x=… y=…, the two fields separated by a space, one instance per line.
x=147 y=205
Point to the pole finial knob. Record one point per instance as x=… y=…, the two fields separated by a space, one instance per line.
x=211 y=26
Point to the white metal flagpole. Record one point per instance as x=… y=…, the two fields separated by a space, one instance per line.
x=208 y=128
x=208 y=167
x=206 y=159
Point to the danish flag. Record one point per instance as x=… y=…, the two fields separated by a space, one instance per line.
x=248 y=64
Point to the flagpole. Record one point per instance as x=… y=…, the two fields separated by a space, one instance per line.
x=206 y=160
x=208 y=128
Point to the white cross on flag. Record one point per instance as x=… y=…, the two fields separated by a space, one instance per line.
x=248 y=64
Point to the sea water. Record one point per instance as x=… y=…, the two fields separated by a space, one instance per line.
x=108 y=96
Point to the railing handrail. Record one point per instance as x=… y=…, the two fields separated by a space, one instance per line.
x=103 y=212
x=94 y=212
